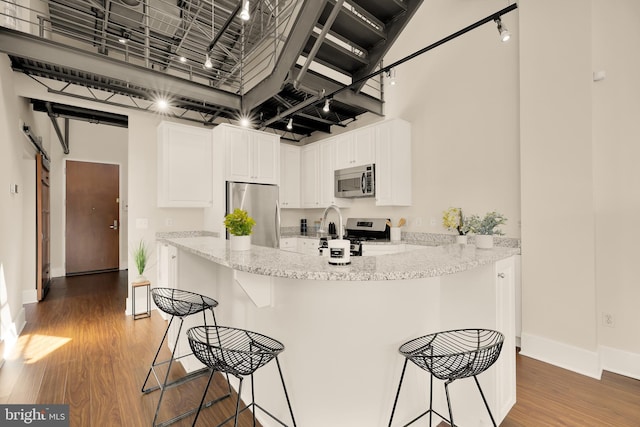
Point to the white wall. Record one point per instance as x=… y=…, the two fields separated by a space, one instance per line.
x=616 y=131
x=17 y=211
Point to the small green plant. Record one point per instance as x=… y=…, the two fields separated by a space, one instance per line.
x=487 y=225
x=453 y=220
x=141 y=256
x=239 y=223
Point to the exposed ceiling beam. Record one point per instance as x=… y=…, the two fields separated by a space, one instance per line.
x=376 y=53
x=303 y=27
x=26 y=45
x=54 y=121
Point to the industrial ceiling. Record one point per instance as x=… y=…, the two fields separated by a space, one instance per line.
x=281 y=65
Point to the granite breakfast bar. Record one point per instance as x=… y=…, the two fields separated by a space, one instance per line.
x=342 y=325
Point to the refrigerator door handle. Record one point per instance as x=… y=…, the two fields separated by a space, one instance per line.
x=277 y=224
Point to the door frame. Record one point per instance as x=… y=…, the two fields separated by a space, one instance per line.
x=122 y=240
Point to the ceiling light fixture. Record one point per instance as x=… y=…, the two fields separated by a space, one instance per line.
x=245 y=122
x=326 y=106
x=505 y=35
x=207 y=62
x=124 y=38
x=183 y=59
x=162 y=104
x=290 y=124
x=244 y=13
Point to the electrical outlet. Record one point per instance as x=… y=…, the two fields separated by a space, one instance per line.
x=433 y=222
x=608 y=320
x=417 y=222
x=168 y=222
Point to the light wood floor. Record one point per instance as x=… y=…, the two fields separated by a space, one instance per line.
x=79 y=348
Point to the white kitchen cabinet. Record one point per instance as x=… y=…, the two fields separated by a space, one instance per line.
x=355 y=148
x=393 y=163
x=505 y=371
x=309 y=246
x=184 y=166
x=317 y=163
x=309 y=176
x=289 y=244
x=289 y=176
x=251 y=156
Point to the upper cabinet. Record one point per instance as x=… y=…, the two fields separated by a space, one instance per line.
x=355 y=148
x=393 y=163
x=317 y=166
x=184 y=166
x=251 y=156
x=289 y=176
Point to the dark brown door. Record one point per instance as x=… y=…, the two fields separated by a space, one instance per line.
x=92 y=237
x=43 y=231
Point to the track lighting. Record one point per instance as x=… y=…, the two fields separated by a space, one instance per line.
x=505 y=35
x=244 y=13
x=182 y=59
x=207 y=62
x=326 y=106
x=290 y=124
x=391 y=74
x=162 y=104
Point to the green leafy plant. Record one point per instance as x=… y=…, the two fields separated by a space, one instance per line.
x=239 y=223
x=141 y=256
x=453 y=220
x=487 y=225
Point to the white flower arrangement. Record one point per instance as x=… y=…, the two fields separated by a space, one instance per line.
x=454 y=220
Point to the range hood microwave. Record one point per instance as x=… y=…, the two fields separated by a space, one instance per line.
x=358 y=181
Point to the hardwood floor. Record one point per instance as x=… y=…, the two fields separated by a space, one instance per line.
x=79 y=348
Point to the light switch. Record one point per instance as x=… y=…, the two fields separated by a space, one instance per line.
x=13 y=188
x=142 y=223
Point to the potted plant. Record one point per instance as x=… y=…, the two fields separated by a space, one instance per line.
x=141 y=257
x=240 y=226
x=486 y=228
x=453 y=220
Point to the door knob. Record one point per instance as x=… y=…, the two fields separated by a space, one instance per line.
x=115 y=225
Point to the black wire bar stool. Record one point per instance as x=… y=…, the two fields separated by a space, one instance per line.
x=240 y=353
x=177 y=303
x=450 y=356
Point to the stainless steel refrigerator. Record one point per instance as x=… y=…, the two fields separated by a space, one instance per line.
x=261 y=203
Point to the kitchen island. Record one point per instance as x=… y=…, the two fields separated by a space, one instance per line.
x=342 y=325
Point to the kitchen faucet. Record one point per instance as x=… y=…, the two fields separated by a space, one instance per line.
x=323 y=223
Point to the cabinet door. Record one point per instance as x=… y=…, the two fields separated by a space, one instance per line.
x=327 y=155
x=265 y=158
x=238 y=153
x=184 y=166
x=289 y=176
x=505 y=322
x=309 y=163
x=393 y=163
x=344 y=150
x=364 y=146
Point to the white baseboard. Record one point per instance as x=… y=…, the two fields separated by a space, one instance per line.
x=58 y=272
x=620 y=362
x=30 y=296
x=566 y=356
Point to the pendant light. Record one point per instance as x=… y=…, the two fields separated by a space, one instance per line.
x=290 y=124
x=326 y=106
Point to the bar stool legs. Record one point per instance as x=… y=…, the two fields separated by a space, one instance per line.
x=449 y=356
x=178 y=304
x=239 y=353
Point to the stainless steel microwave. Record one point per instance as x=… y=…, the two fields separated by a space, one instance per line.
x=358 y=181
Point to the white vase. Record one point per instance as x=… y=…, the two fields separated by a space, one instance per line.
x=239 y=243
x=461 y=239
x=484 y=241
x=140 y=279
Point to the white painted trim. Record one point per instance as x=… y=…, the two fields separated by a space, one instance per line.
x=566 y=356
x=30 y=296
x=620 y=362
x=58 y=272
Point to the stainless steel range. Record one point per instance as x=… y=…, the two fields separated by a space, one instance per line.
x=358 y=230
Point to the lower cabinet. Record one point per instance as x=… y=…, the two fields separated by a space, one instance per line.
x=289 y=244
x=301 y=245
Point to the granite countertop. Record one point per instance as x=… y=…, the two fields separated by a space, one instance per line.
x=427 y=261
